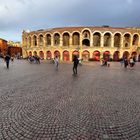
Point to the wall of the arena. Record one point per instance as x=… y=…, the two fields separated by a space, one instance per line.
x=86 y=44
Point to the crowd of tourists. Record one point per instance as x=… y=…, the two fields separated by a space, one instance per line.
x=34 y=59
x=126 y=62
x=129 y=62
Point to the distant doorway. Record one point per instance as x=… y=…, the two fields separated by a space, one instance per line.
x=66 y=56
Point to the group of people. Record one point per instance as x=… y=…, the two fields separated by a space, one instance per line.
x=75 y=63
x=129 y=62
x=105 y=62
x=35 y=59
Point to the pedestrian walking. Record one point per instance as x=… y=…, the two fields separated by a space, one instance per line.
x=131 y=62
x=75 y=64
x=125 y=62
x=56 y=61
x=7 y=59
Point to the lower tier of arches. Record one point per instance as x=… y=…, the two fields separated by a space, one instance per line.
x=86 y=55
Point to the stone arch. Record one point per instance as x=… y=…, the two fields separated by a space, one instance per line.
x=26 y=41
x=126 y=54
x=40 y=37
x=30 y=53
x=135 y=39
x=29 y=41
x=76 y=38
x=48 y=55
x=85 y=55
x=117 y=40
x=35 y=53
x=48 y=39
x=41 y=55
x=118 y=33
x=106 y=55
x=96 y=55
x=56 y=39
x=97 y=39
x=86 y=33
x=75 y=53
x=57 y=53
x=34 y=40
x=116 y=56
x=126 y=40
x=66 y=55
x=66 y=39
x=134 y=55
x=107 y=39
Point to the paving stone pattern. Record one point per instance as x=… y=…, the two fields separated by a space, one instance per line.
x=38 y=102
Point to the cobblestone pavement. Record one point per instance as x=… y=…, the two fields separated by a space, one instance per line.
x=39 y=103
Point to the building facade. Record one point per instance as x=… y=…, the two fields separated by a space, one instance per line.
x=3 y=46
x=14 y=48
x=89 y=43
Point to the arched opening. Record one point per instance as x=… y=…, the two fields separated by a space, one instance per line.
x=96 y=55
x=49 y=55
x=135 y=39
x=66 y=38
x=117 y=40
x=76 y=39
x=30 y=53
x=86 y=42
x=29 y=41
x=66 y=56
x=126 y=41
x=35 y=53
x=41 y=54
x=116 y=56
x=40 y=40
x=106 y=55
x=96 y=39
x=126 y=54
x=86 y=34
x=57 y=53
x=107 y=40
x=85 y=55
x=75 y=53
x=56 y=39
x=48 y=39
x=134 y=55
x=34 y=40
x=26 y=42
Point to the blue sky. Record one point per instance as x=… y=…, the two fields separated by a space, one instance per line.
x=19 y=15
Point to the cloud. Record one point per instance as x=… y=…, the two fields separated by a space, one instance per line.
x=129 y=1
x=17 y=15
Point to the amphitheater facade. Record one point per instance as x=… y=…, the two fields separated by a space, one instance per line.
x=89 y=43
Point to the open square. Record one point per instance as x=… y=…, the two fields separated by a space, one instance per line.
x=39 y=103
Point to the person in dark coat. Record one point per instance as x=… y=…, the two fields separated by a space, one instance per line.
x=75 y=64
x=7 y=59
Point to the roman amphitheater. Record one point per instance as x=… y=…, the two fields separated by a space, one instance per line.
x=89 y=43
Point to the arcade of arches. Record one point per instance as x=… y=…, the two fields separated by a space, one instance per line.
x=87 y=43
